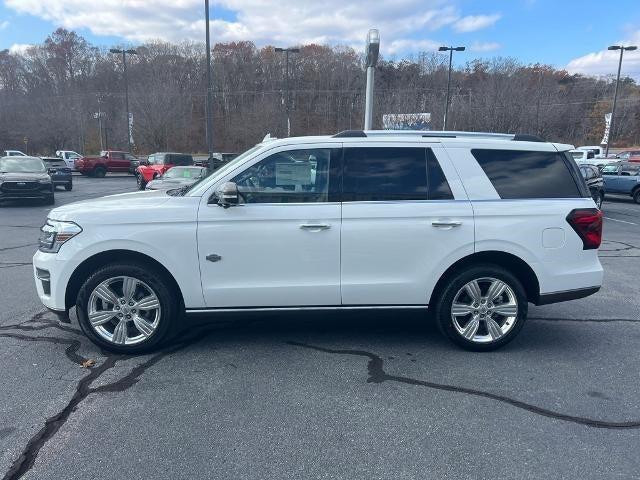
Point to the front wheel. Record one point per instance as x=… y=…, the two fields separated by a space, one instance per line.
x=599 y=200
x=68 y=187
x=481 y=308
x=140 y=181
x=127 y=308
x=636 y=196
x=99 y=172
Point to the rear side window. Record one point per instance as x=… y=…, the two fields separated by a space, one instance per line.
x=384 y=173
x=526 y=174
x=438 y=185
x=182 y=160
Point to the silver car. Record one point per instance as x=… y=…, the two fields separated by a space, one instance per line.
x=177 y=177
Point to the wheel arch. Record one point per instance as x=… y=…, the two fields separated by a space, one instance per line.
x=91 y=264
x=510 y=262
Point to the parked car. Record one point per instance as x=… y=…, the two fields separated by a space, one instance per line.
x=59 y=172
x=157 y=164
x=177 y=177
x=107 y=161
x=627 y=154
x=13 y=153
x=597 y=150
x=471 y=226
x=594 y=181
x=589 y=157
x=217 y=159
x=24 y=177
x=623 y=179
x=69 y=157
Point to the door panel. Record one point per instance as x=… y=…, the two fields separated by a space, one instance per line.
x=394 y=251
x=281 y=246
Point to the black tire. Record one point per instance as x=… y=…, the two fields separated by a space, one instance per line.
x=99 y=172
x=140 y=181
x=599 y=200
x=455 y=283
x=68 y=187
x=636 y=196
x=50 y=200
x=171 y=308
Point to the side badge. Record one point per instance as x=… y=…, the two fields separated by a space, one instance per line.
x=214 y=258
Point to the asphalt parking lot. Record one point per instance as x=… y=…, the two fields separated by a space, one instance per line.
x=323 y=396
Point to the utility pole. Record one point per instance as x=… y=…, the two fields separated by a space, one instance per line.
x=209 y=107
x=446 y=103
x=287 y=51
x=372 y=50
x=126 y=89
x=615 y=92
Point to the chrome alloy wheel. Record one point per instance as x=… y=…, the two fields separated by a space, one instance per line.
x=124 y=310
x=484 y=310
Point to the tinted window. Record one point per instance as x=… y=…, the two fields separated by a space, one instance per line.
x=384 y=173
x=438 y=185
x=293 y=176
x=183 y=160
x=525 y=174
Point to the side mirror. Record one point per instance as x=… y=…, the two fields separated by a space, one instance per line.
x=228 y=195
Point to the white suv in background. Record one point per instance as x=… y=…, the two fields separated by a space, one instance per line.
x=471 y=226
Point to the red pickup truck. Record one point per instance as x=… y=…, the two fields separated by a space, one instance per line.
x=157 y=164
x=108 y=161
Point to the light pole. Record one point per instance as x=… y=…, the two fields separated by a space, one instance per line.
x=615 y=92
x=209 y=132
x=372 y=50
x=287 y=51
x=126 y=88
x=446 y=104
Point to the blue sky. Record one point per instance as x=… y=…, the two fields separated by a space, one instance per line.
x=561 y=32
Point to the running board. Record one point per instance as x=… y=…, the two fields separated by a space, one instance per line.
x=208 y=311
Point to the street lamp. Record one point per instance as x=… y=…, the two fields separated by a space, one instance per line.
x=446 y=105
x=209 y=132
x=615 y=93
x=287 y=51
x=126 y=87
x=372 y=51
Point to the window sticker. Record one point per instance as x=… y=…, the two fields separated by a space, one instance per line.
x=293 y=173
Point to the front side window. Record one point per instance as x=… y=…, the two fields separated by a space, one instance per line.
x=384 y=173
x=518 y=174
x=293 y=176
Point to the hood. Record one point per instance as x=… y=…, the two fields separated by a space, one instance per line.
x=135 y=206
x=23 y=176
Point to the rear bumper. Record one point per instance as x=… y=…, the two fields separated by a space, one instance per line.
x=566 y=295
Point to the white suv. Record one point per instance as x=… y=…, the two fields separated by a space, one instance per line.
x=471 y=226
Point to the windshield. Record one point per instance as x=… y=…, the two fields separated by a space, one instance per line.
x=21 y=165
x=184 y=172
x=222 y=170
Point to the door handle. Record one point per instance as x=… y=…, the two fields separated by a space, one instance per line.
x=315 y=226
x=446 y=223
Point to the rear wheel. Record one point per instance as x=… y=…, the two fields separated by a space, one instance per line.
x=99 y=172
x=127 y=308
x=68 y=187
x=599 y=200
x=636 y=196
x=50 y=200
x=481 y=308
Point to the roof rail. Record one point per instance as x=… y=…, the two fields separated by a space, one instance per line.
x=519 y=137
x=350 y=134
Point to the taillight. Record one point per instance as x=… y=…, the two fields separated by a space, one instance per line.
x=587 y=222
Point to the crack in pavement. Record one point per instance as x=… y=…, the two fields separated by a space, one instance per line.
x=84 y=388
x=375 y=368
x=18 y=246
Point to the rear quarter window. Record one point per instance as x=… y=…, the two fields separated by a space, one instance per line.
x=519 y=174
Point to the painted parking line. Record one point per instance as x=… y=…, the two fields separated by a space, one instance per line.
x=621 y=221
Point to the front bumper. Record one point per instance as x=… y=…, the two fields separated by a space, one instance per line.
x=51 y=276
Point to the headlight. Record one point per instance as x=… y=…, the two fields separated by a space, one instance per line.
x=54 y=233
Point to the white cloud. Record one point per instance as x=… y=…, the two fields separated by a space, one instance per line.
x=484 y=46
x=4 y=24
x=471 y=23
x=285 y=22
x=19 y=48
x=605 y=62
